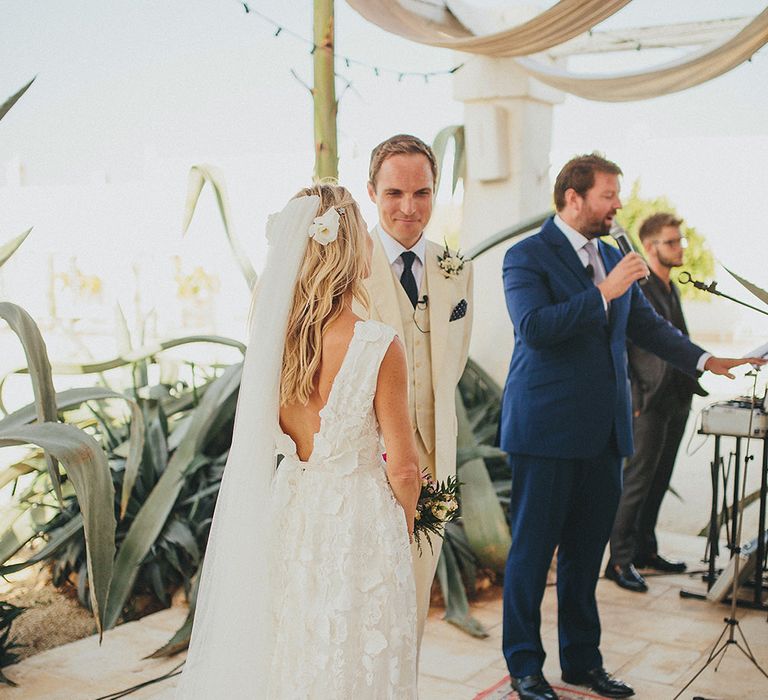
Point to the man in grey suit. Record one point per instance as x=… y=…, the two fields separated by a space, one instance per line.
x=661 y=401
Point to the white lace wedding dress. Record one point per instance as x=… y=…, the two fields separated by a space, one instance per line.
x=344 y=594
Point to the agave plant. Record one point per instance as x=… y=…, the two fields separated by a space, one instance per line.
x=118 y=485
x=8 y=613
x=83 y=459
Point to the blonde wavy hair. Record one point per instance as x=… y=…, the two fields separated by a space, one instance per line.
x=329 y=277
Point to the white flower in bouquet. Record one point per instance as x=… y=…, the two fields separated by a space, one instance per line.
x=437 y=506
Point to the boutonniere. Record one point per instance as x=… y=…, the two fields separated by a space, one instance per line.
x=450 y=264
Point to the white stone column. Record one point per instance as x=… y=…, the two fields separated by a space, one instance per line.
x=508 y=130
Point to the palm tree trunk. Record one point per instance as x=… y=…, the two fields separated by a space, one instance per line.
x=324 y=92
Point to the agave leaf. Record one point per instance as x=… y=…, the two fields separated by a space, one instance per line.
x=488 y=382
x=14 y=471
x=440 y=146
x=138 y=355
x=465 y=557
x=178 y=533
x=484 y=522
x=36 y=353
x=507 y=234
x=180 y=639
x=88 y=470
x=157 y=447
x=7 y=681
x=9 y=248
x=22 y=522
x=8 y=613
x=467 y=454
x=198 y=176
x=72 y=398
x=151 y=517
x=456 y=603
x=123 y=333
x=760 y=293
x=122 y=361
x=58 y=538
x=6 y=106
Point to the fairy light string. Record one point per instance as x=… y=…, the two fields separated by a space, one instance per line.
x=377 y=70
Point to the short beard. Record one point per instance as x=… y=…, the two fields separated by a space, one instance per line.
x=670 y=265
x=595 y=230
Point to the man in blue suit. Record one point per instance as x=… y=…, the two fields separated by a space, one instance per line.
x=566 y=418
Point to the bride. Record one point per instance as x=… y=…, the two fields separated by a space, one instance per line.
x=307 y=588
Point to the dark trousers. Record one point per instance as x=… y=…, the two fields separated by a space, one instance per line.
x=658 y=433
x=570 y=504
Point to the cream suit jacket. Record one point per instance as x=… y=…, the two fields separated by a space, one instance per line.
x=449 y=340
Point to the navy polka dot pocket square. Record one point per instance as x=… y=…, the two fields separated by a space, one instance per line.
x=459 y=311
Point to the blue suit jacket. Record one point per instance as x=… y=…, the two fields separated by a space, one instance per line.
x=567 y=387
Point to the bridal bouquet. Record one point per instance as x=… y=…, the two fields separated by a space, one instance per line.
x=437 y=505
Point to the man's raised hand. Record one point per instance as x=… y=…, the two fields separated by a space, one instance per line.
x=630 y=268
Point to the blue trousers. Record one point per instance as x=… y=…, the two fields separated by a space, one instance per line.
x=569 y=504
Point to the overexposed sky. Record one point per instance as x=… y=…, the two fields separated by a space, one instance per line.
x=133 y=93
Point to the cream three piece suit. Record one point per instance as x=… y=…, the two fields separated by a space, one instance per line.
x=436 y=352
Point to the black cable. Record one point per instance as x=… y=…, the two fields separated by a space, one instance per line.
x=128 y=691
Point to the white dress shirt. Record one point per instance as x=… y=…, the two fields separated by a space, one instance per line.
x=393 y=250
x=580 y=243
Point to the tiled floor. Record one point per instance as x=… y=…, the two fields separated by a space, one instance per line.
x=655 y=641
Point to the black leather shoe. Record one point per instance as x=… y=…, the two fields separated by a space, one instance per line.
x=659 y=563
x=602 y=682
x=626 y=577
x=533 y=687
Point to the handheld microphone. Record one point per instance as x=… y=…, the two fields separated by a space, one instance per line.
x=625 y=244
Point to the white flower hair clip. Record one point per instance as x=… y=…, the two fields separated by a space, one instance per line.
x=325 y=229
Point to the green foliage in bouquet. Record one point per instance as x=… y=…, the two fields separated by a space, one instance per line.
x=437 y=506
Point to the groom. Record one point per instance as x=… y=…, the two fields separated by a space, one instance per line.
x=425 y=294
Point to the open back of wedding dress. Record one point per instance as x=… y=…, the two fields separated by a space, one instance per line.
x=306 y=590
x=345 y=604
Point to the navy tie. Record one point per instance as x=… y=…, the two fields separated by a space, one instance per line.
x=407 y=279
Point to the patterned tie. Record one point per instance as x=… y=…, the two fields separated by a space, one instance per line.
x=594 y=261
x=595 y=269
x=407 y=279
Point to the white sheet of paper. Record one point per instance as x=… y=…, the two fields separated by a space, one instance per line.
x=761 y=351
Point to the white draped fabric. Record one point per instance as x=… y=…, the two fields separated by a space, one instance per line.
x=232 y=639
x=561 y=22
x=680 y=74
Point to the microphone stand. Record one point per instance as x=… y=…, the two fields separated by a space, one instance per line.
x=727 y=637
x=711 y=288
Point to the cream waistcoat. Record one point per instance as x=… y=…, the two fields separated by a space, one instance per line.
x=421 y=397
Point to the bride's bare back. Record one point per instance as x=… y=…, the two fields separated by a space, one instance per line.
x=301 y=422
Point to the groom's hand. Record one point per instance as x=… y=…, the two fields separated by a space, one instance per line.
x=722 y=365
x=630 y=268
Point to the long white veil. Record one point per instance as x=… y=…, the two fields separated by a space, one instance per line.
x=231 y=644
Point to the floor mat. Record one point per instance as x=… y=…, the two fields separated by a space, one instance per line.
x=503 y=691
